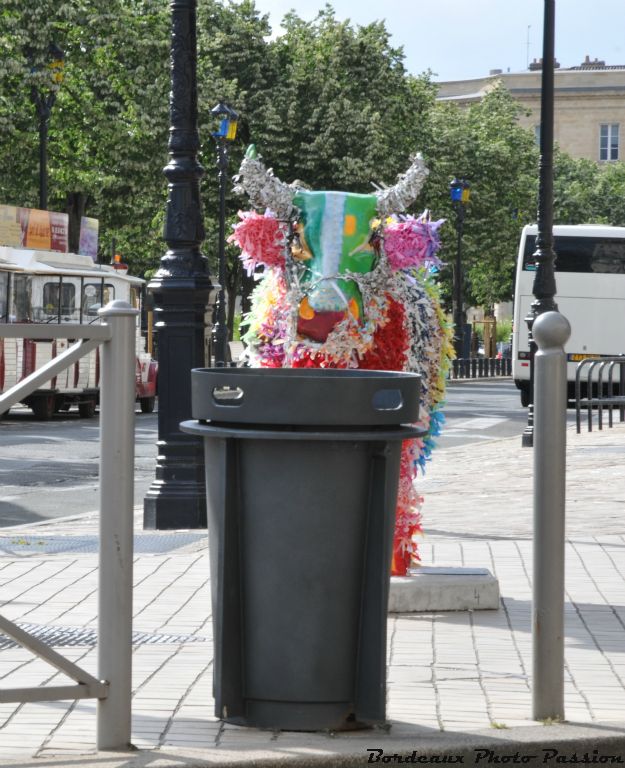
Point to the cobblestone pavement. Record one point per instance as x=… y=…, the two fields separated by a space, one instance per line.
x=452 y=673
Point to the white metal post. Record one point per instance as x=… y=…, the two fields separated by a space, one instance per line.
x=117 y=406
x=551 y=330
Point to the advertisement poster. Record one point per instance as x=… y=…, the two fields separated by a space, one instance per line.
x=88 y=245
x=31 y=228
x=10 y=227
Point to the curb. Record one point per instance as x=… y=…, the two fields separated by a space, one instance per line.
x=544 y=745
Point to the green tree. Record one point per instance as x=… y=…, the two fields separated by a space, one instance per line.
x=486 y=145
x=586 y=192
x=108 y=128
x=348 y=112
x=575 y=189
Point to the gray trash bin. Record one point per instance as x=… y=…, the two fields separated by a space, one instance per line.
x=302 y=470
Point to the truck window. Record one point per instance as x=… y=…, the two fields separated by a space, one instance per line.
x=53 y=292
x=94 y=296
x=135 y=297
x=20 y=311
x=4 y=296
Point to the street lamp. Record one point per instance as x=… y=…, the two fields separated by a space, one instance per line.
x=459 y=190
x=182 y=291
x=544 y=288
x=44 y=101
x=226 y=133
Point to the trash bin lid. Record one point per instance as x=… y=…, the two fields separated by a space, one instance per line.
x=298 y=396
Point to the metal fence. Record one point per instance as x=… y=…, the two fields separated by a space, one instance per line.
x=112 y=687
x=597 y=389
x=481 y=367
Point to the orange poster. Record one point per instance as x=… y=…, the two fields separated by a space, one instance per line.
x=38 y=231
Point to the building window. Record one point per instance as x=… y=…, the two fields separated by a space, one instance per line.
x=608 y=141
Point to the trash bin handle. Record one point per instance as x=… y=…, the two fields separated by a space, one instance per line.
x=387 y=400
x=225 y=395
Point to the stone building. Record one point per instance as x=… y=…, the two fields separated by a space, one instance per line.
x=589 y=104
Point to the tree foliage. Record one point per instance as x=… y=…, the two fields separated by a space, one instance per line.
x=108 y=128
x=485 y=145
x=326 y=102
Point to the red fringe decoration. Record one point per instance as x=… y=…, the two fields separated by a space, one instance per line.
x=390 y=342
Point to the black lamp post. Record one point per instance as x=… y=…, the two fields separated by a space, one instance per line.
x=181 y=289
x=227 y=132
x=544 y=288
x=459 y=190
x=44 y=101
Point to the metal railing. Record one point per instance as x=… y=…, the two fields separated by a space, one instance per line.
x=481 y=367
x=596 y=391
x=112 y=688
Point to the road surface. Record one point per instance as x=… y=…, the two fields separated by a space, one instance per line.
x=50 y=469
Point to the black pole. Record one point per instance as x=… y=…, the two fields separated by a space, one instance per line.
x=544 y=288
x=181 y=290
x=43 y=107
x=220 y=331
x=43 y=163
x=458 y=301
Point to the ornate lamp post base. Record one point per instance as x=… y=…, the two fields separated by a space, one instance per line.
x=177 y=496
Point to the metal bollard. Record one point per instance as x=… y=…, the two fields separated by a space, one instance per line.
x=621 y=390
x=117 y=421
x=551 y=331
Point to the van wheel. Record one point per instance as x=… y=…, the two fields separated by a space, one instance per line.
x=43 y=407
x=86 y=409
x=147 y=404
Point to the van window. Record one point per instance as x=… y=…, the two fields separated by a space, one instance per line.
x=135 y=297
x=20 y=311
x=4 y=296
x=52 y=292
x=581 y=254
x=94 y=296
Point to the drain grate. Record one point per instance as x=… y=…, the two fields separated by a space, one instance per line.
x=63 y=637
x=146 y=544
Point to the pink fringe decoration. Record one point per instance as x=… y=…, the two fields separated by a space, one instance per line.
x=261 y=240
x=412 y=243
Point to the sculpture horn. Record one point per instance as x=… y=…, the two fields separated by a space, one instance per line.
x=397 y=198
x=263 y=188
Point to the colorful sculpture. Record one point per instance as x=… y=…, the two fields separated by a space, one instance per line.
x=347 y=283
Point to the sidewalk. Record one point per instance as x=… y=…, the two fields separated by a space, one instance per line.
x=457 y=682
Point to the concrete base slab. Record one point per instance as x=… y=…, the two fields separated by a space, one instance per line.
x=431 y=588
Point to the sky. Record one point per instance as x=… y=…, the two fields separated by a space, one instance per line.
x=462 y=39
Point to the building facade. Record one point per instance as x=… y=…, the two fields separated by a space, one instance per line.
x=589 y=104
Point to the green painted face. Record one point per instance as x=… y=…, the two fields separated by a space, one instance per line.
x=334 y=232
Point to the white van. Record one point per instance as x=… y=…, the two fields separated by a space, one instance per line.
x=590 y=293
